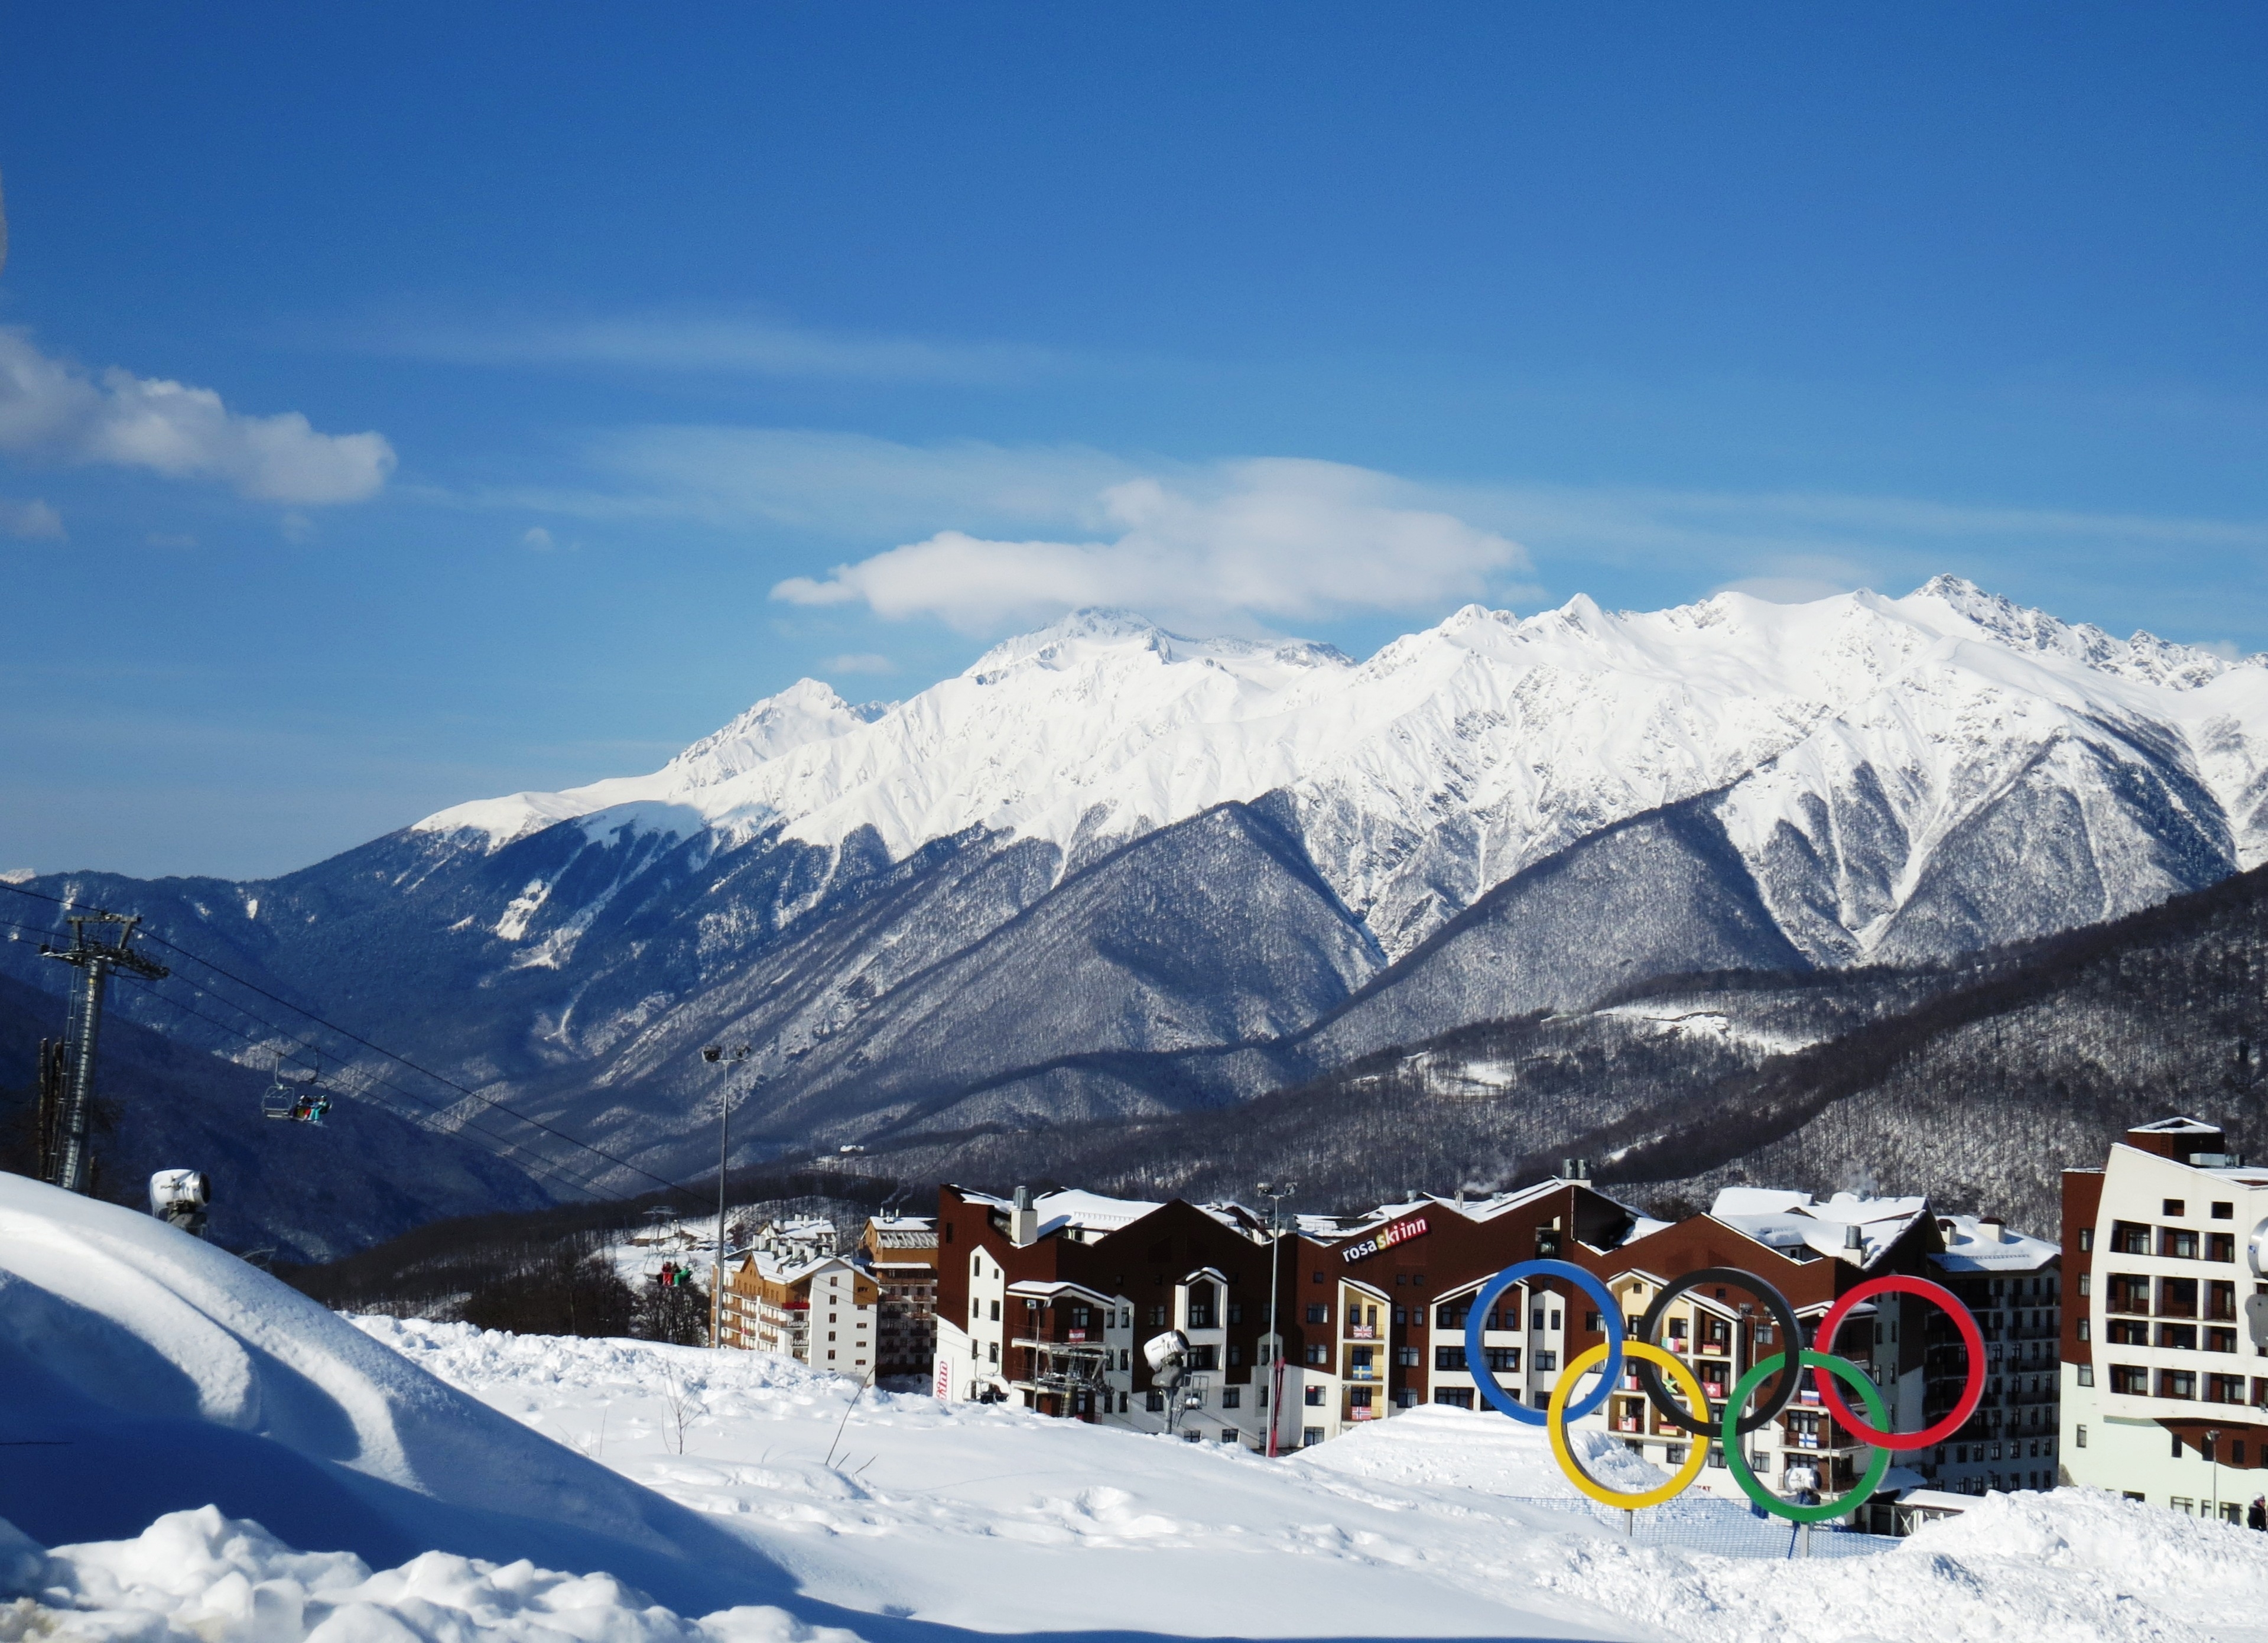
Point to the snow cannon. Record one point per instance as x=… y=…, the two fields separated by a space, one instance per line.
x=1166 y=1354
x=178 y=1197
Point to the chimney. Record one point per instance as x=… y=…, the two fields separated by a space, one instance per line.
x=1023 y=1220
x=1992 y=1229
x=1577 y=1170
x=1854 y=1244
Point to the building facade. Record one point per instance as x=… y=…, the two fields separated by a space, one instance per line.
x=900 y=1252
x=1048 y=1303
x=2164 y=1394
x=821 y=1312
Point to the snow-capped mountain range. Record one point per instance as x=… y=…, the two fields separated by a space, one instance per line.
x=1109 y=869
x=1860 y=730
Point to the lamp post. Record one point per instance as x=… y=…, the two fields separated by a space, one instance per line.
x=1275 y=1194
x=2212 y=1454
x=719 y=1053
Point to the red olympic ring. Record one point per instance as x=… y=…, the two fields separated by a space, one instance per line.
x=1971 y=1392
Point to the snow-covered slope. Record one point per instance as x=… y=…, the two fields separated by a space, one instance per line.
x=185 y=1401
x=143 y=1371
x=1862 y=733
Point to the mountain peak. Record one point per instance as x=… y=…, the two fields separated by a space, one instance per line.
x=2144 y=657
x=1099 y=627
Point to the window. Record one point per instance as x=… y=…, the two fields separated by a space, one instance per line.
x=1319 y=1312
x=2220 y=1247
x=2224 y=1389
x=2223 y=1212
x=996 y=1312
x=1358 y=1397
x=1158 y=1313
x=2130 y=1292
x=1201 y=1307
x=1449 y=1357
x=2176 y=1207
x=1454 y=1396
x=2085 y=1331
x=2087 y=1238
x=1407 y=1356
x=2130 y=1238
x=1231 y=1397
x=1236 y=1312
x=1319 y=1278
x=2129 y=1332
x=1451 y=1315
x=1310 y=1436
x=2180 y=1338
x=2087 y=1375
x=2177 y=1384
x=1506 y=1359
x=2220 y=1339
x=1546 y=1362
x=1155 y=1403
x=1318 y=1355
x=2220 y=1299
x=2130 y=1379
x=2178 y=1298
x=2178 y=1242
x=1204 y=1358
x=1314 y=1397
x=1406 y=1397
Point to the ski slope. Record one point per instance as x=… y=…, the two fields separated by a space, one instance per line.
x=256 y=1471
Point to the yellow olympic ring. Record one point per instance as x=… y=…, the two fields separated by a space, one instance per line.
x=1555 y=1422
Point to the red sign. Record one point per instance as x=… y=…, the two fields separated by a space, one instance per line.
x=1079 y=1335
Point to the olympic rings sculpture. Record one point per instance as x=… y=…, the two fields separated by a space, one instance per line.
x=1643 y=1351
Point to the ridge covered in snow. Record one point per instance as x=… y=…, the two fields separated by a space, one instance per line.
x=1456 y=756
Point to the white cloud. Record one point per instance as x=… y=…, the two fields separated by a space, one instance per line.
x=858 y=662
x=735 y=346
x=32 y=521
x=1267 y=539
x=536 y=537
x=52 y=408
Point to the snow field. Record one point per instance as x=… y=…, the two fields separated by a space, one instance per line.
x=1439 y=1522
x=538 y=1491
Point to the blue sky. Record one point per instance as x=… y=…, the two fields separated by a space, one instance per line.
x=401 y=405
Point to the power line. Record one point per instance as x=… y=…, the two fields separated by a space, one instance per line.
x=380 y=1050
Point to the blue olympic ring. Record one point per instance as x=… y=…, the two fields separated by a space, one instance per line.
x=1610 y=1316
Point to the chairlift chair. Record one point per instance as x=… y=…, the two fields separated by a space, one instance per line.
x=296 y=1100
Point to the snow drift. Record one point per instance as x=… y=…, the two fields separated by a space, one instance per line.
x=145 y=1371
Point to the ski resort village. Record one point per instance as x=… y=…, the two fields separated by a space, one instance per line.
x=1247 y=823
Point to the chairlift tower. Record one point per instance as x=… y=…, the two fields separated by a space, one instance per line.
x=67 y=1100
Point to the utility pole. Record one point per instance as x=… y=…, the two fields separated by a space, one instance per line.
x=717 y=1052
x=64 y=1160
x=1275 y=1195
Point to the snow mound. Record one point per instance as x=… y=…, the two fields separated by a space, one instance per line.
x=146 y=1371
x=200 y=1577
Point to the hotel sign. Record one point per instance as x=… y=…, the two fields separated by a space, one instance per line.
x=1385 y=1238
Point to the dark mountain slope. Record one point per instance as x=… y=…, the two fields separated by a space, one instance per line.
x=310 y=1192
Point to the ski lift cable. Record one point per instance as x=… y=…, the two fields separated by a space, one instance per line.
x=513 y=1149
x=510 y=1150
x=506 y=1147
x=378 y=1048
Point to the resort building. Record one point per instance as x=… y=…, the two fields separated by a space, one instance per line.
x=2164 y=1394
x=900 y=1252
x=821 y=1311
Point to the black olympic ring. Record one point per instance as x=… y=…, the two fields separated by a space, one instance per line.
x=1649 y=1330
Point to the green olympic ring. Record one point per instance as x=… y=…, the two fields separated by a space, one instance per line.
x=1739 y=1462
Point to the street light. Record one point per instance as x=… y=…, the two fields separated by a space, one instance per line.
x=1275 y=1194
x=2212 y=1454
x=715 y=1053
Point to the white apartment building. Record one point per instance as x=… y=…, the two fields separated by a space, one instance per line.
x=2164 y=1392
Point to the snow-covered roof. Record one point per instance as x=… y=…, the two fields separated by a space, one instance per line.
x=1968 y=1251
x=1473 y=1208
x=2176 y=1126
x=903 y=1223
x=1795 y=1222
x=1059 y=1289
x=1090 y=1212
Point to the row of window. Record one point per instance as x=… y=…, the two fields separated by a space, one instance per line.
x=2178 y=1243
x=2134 y=1381
x=2132 y=1292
